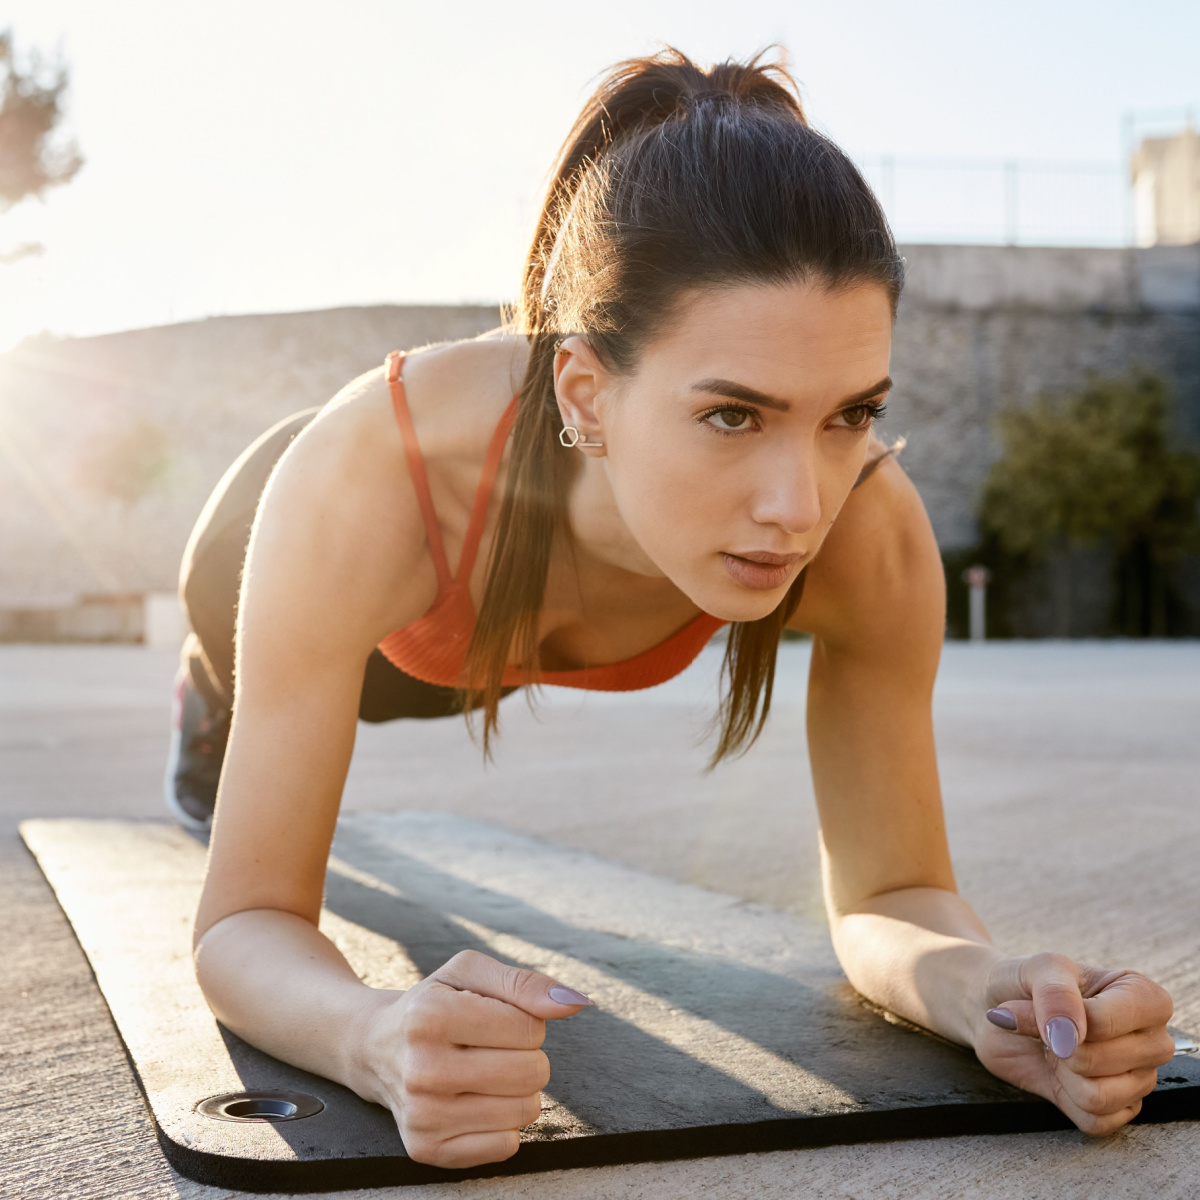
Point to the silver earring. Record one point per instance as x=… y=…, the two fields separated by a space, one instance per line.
x=570 y=437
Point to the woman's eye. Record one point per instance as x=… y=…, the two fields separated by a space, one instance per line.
x=728 y=418
x=861 y=415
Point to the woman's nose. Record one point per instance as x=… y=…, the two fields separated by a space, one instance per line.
x=787 y=495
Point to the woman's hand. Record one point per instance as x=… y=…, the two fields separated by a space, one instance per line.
x=458 y=1057
x=1087 y=1039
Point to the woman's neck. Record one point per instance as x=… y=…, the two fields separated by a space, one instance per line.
x=597 y=527
x=599 y=558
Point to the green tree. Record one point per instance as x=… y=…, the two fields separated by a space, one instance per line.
x=1098 y=466
x=31 y=108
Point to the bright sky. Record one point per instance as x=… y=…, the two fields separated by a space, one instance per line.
x=272 y=155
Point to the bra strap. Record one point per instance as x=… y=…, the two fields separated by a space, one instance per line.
x=416 y=468
x=491 y=464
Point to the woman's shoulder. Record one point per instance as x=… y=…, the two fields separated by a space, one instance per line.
x=878 y=576
x=473 y=378
x=446 y=384
x=456 y=393
x=344 y=489
x=341 y=502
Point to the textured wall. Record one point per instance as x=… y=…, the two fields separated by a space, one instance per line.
x=170 y=408
x=955 y=369
x=109 y=445
x=981 y=327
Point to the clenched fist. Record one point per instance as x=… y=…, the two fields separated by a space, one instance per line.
x=1087 y=1039
x=458 y=1058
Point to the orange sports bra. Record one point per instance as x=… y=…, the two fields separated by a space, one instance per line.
x=434 y=647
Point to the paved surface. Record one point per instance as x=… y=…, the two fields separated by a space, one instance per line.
x=1070 y=775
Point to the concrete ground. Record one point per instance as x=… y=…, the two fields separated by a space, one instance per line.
x=1070 y=774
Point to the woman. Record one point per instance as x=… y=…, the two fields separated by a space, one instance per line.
x=701 y=349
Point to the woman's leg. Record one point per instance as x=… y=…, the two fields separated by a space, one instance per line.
x=209 y=581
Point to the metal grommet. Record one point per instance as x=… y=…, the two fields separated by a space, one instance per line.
x=260 y=1107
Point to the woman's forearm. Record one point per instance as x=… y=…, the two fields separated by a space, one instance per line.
x=921 y=953
x=276 y=981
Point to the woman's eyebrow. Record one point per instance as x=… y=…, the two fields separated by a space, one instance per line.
x=739 y=391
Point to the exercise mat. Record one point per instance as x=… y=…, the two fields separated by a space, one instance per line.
x=720 y=1027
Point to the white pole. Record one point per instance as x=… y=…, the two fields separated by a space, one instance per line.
x=977 y=580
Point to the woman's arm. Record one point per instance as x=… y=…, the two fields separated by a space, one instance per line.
x=889 y=884
x=337 y=560
x=875 y=605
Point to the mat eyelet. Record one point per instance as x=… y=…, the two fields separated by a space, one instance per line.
x=260 y=1107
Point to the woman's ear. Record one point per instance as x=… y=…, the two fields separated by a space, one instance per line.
x=579 y=377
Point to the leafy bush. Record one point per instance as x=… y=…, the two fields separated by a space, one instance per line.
x=1097 y=467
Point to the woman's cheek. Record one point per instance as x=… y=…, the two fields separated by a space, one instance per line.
x=696 y=522
x=658 y=509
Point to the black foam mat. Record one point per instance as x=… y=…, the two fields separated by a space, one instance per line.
x=720 y=1027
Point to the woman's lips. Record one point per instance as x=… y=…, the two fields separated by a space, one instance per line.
x=760 y=570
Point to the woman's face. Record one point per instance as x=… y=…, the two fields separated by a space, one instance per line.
x=730 y=449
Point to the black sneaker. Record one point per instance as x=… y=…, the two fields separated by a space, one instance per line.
x=198 y=738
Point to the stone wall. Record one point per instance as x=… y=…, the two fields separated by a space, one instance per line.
x=109 y=445
x=982 y=327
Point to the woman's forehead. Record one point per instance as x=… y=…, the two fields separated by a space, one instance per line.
x=763 y=335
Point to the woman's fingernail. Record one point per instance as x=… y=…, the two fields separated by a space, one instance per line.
x=1002 y=1017
x=1062 y=1036
x=561 y=994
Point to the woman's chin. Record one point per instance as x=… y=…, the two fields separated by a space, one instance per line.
x=728 y=601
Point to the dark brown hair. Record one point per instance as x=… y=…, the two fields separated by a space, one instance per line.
x=673 y=178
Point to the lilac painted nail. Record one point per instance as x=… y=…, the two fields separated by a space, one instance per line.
x=1002 y=1017
x=1062 y=1036
x=561 y=994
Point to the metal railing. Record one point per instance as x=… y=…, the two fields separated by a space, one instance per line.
x=1002 y=201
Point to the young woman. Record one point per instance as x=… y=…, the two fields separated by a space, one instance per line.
x=675 y=436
